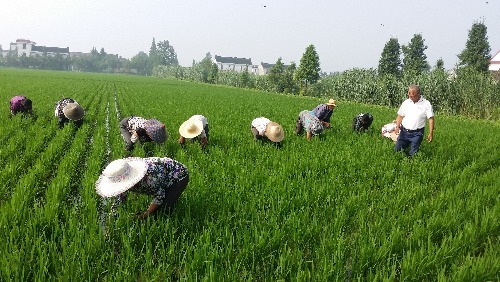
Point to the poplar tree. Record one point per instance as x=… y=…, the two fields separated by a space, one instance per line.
x=390 y=61
x=477 y=49
x=415 y=60
x=309 y=69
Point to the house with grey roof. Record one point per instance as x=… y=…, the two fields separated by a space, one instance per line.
x=28 y=48
x=233 y=63
x=495 y=62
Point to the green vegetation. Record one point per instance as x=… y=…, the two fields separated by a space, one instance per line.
x=340 y=207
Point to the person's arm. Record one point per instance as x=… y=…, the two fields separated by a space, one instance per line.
x=151 y=209
x=308 y=135
x=431 y=129
x=398 y=123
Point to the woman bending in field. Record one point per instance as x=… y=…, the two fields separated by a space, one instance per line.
x=308 y=121
x=20 y=104
x=163 y=178
x=135 y=129
x=263 y=128
x=68 y=109
x=196 y=127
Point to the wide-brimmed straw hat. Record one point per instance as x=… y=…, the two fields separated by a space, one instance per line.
x=331 y=102
x=73 y=111
x=119 y=176
x=191 y=128
x=156 y=130
x=274 y=132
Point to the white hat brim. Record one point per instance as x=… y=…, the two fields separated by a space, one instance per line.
x=106 y=188
x=183 y=129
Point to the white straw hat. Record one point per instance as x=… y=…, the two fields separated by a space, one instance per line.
x=73 y=111
x=191 y=128
x=274 y=132
x=119 y=176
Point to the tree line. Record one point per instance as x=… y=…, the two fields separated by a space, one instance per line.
x=469 y=89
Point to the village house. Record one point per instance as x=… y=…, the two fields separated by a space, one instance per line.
x=233 y=63
x=495 y=62
x=28 y=48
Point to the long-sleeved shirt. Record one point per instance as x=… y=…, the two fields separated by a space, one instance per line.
x=16 y=103
x=60 y=106
x=260 y=124
x=136 y=124
x=160 y=175
x=204 y=121
x=322 y=112
x=310 y=122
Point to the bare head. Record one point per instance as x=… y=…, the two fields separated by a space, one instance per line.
x=414 y=93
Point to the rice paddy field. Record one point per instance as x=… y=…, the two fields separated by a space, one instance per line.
x=342 y=207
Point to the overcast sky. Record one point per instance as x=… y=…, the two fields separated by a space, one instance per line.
x=346 y=34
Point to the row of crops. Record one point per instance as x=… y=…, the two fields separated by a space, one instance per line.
x=340 y=207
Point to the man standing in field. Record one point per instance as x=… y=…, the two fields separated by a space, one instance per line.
x=410 y=123
x=324 y=112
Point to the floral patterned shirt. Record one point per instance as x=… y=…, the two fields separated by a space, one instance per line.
x=322 y=112
x=160 y=175
x=135 y=124
x=60 y=106
x=310 y=122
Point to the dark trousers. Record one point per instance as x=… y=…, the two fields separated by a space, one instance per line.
x=173 y=193
x=298 y=126
x=129 y=145
x=255 y=133
x=63 y=120
x=411 y=139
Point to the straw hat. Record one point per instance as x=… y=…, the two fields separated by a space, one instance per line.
x=331 y=102
x=156 y=130
x=191 y=128
x=119 y=176
x=73 y=111
x=274 y=132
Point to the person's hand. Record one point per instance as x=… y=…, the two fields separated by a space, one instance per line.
x=142 y=215
x=326 y=124
x=204 y=141
x=429 y=138
x=396 y=130
x=182 y=140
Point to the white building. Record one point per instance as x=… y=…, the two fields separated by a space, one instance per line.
x=233 y=63
x=28 y=48
x=495 y=62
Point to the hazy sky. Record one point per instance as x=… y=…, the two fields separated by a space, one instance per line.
x=346 y=34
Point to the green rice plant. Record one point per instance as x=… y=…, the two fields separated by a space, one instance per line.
x=342 y=206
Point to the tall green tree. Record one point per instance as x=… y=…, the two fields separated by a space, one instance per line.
x=477 y=49
x=277 y=76
x=140 y=62
x=290 y=84
x=415 y=60
x=166 y=54
x=439 y=64
x=206 y=69
x=309 y=69
x=153 y=56
x=390 y=60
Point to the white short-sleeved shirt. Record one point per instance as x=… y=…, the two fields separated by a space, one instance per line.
x=260 y=124
x=204 y=121
x=415 y=114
